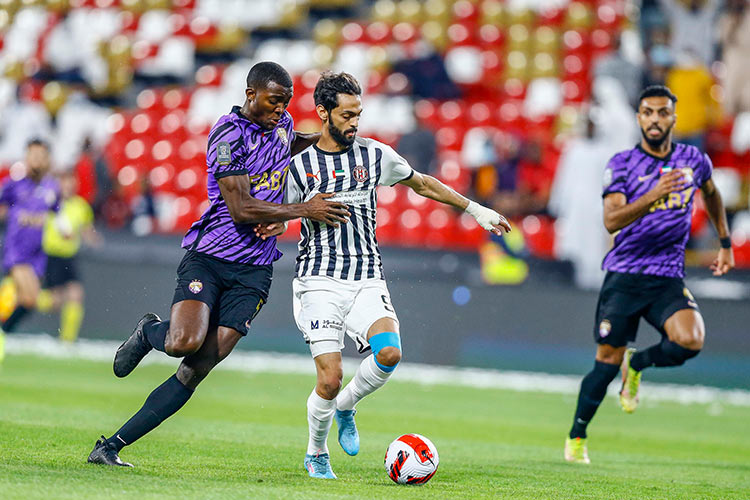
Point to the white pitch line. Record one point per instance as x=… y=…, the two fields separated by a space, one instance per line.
x=422 y=374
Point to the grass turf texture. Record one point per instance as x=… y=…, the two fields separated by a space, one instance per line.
x=243 y=435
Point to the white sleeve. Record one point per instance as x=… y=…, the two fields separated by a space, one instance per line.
x=394 y=167
x=293 y=192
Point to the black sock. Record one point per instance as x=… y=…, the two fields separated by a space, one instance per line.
x=666 y=353
x=16 y=316
x=162 y=403
x=593 y=390
x=156 y=333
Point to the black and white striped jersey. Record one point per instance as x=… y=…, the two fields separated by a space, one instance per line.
x=349 y=251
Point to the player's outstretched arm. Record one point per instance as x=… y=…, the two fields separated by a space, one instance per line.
x=715 y=208
x=246 y=209
x=618 y=213
x=429 y=187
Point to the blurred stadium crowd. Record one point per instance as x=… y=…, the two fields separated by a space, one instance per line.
x=520 y=102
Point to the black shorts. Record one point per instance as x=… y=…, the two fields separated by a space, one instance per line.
x=626 y=298
x=60 y=271
x=234 y=292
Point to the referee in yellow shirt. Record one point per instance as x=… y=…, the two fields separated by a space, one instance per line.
x=61 y=241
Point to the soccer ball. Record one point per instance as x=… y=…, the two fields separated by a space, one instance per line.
x=411 y=459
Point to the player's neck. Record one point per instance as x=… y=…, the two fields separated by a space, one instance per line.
x=246 y=112
x=36 y=178
x=329 y=144
x=662 y=151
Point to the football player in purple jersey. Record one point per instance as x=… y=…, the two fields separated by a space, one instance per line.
x=648 y=199
x=224 y=277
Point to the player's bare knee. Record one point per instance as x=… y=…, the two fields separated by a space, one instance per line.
x=329 y=386
x=691 y=340
x=27 y=301
x=609 y=354
x=181 y=343
x=389 y=356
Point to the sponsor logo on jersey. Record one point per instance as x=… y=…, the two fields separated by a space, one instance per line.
x=642 y=178
x=314 y=325
x=195 y=286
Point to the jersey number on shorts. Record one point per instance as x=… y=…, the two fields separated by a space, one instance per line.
x=387 y=302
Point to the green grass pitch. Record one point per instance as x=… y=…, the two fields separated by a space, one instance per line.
x=243 y=435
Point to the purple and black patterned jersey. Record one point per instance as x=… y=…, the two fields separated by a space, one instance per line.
x=29 y=204
x=237 y=146
x=655 y=243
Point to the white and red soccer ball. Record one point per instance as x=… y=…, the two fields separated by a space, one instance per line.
x=411 y=459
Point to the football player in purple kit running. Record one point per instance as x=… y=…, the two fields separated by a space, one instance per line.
x=28 y=202
x=225 y=275
x=648 y=200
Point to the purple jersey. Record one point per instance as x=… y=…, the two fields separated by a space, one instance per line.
x=655 y=243
x=237 y=146
x=29 y=204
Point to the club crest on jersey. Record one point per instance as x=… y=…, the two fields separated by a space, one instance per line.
x=605 y=327
x=195 y=286
x=223 y=153
x=360 y=173
x=687 y=174
x=282 y=135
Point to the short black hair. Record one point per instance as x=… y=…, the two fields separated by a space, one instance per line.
x=657 y=91
x=263 y=73
x=37 y=141
x=331 y=85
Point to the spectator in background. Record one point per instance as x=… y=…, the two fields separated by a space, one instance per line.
x=615 y=65
x=692 y=26
x=85 y=172
x=575 y=200
x=419 y=147
x=734 y=34
x=691 y=82
x=658 y=61
x=144 y=210
x=20 y=122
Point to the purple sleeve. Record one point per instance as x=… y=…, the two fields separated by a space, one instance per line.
x=615 y=178
x=7 y=193
x=226 y=150
x=706 y=169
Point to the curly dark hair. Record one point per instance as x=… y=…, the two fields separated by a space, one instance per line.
x=331 y=85
x=657 y=91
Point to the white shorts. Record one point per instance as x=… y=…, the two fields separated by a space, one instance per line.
x=327 y=308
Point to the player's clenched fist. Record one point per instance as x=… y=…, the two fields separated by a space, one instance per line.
x=319 y=209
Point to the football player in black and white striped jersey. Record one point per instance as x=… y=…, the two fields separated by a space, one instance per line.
x=339 y=287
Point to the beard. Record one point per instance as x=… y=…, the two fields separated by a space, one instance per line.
x=340 y=137
x=656 y=142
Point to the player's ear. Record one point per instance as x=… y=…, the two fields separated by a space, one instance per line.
x=250 y=93
x=322 y=112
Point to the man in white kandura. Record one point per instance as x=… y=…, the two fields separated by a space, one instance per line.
x=339 y=286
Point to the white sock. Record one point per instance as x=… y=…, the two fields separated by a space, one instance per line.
x=368 y=379
x=319 y=419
